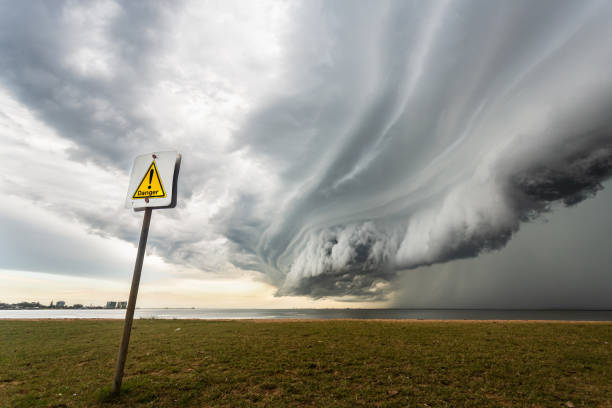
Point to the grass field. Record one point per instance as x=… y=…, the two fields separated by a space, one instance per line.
x=307 y=363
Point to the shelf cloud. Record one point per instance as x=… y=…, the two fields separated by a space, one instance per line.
x=327 y=146
x=430 y=134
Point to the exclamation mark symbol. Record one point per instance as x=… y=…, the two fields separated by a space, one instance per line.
x=150 y=178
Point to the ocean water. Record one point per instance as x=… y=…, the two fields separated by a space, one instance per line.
x=414 y=314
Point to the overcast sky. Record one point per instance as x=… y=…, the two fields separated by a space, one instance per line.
x=335 y=153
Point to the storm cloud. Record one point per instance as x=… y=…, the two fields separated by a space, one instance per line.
x=327 y=146
x=460 y=121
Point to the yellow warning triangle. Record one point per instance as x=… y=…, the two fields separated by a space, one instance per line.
x=151 y=185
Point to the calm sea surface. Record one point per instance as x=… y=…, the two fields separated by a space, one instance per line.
x=454 y=314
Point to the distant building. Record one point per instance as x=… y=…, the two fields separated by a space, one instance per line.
x=60 y=304
x=111 y=305
x=122 y=305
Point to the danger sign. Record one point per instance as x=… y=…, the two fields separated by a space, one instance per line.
x=153 y=181
x=145 y=193
x=151 y=185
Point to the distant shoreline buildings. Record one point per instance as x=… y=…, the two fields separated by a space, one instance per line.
x=111 y=304
x=60 y=304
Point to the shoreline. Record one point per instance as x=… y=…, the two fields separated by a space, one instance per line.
x=268 y=320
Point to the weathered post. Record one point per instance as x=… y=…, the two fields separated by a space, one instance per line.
x=146 y=193
x=129 y=314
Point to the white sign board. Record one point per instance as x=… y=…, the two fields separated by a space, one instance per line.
x=153 y=181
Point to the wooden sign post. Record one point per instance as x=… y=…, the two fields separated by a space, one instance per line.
x=153 y=183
